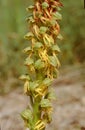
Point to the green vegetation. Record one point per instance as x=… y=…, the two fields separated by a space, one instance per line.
x=13 y=27
x=73 y=27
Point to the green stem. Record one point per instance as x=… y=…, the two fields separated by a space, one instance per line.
x=36 y=112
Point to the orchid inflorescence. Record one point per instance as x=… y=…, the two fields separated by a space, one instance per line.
x=42 y=61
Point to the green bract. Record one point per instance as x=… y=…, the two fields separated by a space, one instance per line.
x=47 y=81
x=29 y=61
x=57 y=16
x=25 y=77
x=39 y=64
x=56 y=48
x=45 y=103
x=43 y=29
x=38 y=45
x=27 y=115
x=53 y=61
x=30 y=19
x=29 y=35
x=27 y=49
x=60 y=37
x=31 y=7
x=45 y=5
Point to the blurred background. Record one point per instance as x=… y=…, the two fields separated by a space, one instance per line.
x=72 y=72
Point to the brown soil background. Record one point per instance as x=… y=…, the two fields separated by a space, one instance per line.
x=69 y=108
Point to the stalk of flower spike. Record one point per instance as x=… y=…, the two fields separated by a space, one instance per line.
x=42 y=61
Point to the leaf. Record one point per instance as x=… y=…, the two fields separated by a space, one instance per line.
x=39 y=64
x=45 y=103
x=38 y=45
x=57 y=16
x=27 y=49
x=43 y=29
x=60 y=37
x=45 y=5
x=27 y=115
x=56 y=48
x=29 y=61
x=47 y=81
x=29 y=35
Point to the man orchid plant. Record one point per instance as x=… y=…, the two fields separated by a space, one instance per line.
x=42 y=61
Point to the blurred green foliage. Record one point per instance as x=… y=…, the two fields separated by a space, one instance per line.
x=73 y=29
x=13 y=27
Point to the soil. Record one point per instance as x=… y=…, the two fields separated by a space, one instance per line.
x=69 y=108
